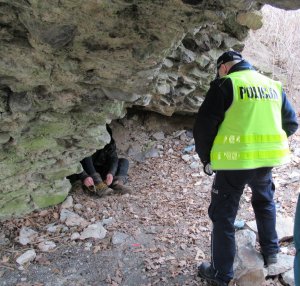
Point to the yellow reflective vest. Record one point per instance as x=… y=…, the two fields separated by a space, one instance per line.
x=251 y=135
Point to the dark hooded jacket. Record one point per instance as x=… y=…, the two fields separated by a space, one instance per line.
x=106 y=159
x=103 y=161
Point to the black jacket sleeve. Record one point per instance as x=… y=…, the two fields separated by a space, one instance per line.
x=82 y=176
x=289 y=118
x=110 y=154
x=112 y=159
x=106 y=159
x=88 y=165
x=210 y=115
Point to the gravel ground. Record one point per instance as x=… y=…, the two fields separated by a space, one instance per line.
x=165 y=219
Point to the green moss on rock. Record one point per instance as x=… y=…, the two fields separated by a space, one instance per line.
x=45 y=199
x=15 y=206
x=37 y=144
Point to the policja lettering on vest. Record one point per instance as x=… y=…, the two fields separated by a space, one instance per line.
x=258 y=92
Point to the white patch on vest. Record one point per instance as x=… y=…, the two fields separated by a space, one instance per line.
x=231 y=155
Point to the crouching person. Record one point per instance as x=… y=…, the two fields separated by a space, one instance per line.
x=103 y=172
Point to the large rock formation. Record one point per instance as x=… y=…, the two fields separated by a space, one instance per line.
x=68 y=67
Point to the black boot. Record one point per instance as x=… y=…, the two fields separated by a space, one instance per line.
x=118 y=185
x=206 y=271
x=102 y=190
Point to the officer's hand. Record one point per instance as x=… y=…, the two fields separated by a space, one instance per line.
x=88 y=182
x=109 y=179
x=207 y=169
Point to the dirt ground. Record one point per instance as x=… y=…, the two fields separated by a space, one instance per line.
x=165 y=218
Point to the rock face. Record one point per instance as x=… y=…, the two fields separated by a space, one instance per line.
x=69 y=67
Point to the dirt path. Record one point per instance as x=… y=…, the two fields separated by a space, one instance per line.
x=165 y=222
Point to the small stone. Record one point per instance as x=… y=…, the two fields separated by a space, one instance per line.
x=170 y=151
x=159 y=135
x=194 y=165
x=178 y=133
x=183 y=137
x=160 y=147
x=196 y=158
x=186 y=158
x=196 y=175
x=188 y=149
x=3 y=240
x=27 y=235
x=94 y=231
x=43 y=213
x=87 y=246
x=64 y=229
x=108 y=221
x=27 y=256
x=46 y=245
x=75 y=236
x=119 y=237
x=68 y=203
x=239 y=224
x=167 y=63
x=163 y=88
x=152 y=153
x=71 y=218
x=78 y=206
x=52 y=228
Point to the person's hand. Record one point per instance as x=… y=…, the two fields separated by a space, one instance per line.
x=88 y=182
x=207 y=169
x=109 y=179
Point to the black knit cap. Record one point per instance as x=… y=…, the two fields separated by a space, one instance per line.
x=228 y=56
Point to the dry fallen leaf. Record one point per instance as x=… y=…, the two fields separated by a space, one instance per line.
x=97 y=248
x=5 y=259
x=199 y=255
x=56 y=270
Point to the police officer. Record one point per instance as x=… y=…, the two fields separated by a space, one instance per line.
x=240 y=133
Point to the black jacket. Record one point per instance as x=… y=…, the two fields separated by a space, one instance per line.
x=212 y=111
x=103 y=161
x=106 y=159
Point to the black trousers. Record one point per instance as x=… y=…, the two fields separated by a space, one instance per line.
x=227 y=189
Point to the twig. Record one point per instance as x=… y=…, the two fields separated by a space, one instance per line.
x=8 y=267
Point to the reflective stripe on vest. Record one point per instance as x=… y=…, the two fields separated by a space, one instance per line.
x=251 y=135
